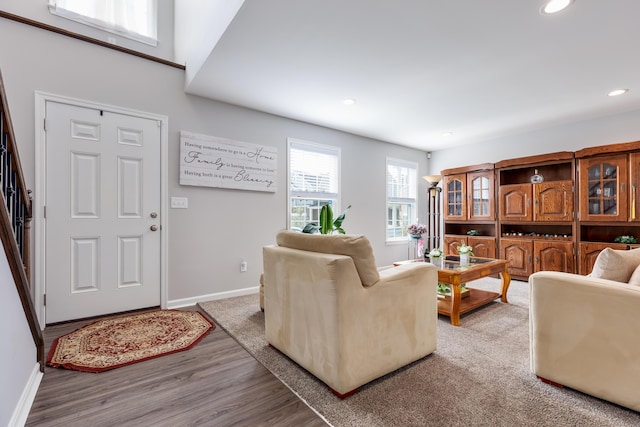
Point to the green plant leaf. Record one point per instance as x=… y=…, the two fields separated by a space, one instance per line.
x=311 y=228
x=337 y=224
x=326 y=220
x=326 y=223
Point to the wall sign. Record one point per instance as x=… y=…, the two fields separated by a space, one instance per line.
x=209 y=161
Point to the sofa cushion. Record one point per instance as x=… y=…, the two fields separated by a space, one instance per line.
x=618 y=265
x=357 y=247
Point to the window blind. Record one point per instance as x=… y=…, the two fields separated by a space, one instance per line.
x=313 y=170
x=401 y=181
x=134 y=19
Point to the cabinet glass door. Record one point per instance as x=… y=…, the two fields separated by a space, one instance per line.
x=454 y=194
x=480 y=194
x=455 y=199
x=480 y=185
x=603 y=186
x=603 y=195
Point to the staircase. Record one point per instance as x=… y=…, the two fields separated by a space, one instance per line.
x=15 y=221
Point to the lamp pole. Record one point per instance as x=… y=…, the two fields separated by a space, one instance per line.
x=433 y=211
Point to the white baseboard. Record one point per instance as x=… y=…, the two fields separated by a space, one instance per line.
x=21 y=412
x=184 y=302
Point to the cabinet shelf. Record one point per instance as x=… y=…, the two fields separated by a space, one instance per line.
x=562 y=238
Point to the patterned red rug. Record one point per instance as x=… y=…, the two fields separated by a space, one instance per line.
x=112 y=343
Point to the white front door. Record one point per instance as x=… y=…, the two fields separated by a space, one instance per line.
x=102 y=216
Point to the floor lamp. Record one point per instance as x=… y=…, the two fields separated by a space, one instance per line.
x=433 y=212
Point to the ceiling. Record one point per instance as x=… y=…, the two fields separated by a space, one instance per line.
x=420 y=68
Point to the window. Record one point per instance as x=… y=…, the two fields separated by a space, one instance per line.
x=313 y=181
x=134 y=19
x=401 y=198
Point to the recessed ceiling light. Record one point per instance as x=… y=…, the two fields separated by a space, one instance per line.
x=447 y=133
x=554 y=6
x=618 y=92
x=349 y=101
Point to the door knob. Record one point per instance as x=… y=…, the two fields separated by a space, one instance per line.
x=154 y=228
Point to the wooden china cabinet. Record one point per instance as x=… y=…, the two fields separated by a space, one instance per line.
x=469 y=209
x=609 y=177
x=546 y=212
x=536 y=213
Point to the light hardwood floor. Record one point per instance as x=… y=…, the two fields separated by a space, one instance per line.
x=216 y=383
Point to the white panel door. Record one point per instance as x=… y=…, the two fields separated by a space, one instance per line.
x=102 y=212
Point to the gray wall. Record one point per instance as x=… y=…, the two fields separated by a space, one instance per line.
x=221 y=227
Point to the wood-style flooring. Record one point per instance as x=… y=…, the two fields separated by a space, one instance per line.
x=216 y=383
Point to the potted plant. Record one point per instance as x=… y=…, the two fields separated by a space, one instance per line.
x=445 y=290
x=465 y=252
x=625 y=239
x=327 y=225
x=435 y=253
x=415 y=231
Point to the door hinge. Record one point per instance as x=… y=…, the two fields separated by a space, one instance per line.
x=44 y=300
x=45 y=212
x=44 y=124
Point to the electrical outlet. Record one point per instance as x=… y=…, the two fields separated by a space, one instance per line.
x=179 y=202
x=243 y=266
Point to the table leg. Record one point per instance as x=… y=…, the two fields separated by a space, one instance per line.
x=456 y=299
x=506 y=280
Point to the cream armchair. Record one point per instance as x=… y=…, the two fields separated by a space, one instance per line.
x=330 y=310
x=584 y=335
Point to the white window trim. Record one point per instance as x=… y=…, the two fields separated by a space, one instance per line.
x=105 y=26
x=290 y=141
x=399 y=241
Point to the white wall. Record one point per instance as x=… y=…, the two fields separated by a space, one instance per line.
x=221 y=227
x=202 y=20
x=570 y=137
x=18 y=357
x=38 y=10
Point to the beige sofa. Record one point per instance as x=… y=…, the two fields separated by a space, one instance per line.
x=329 y=309
x=584 y=335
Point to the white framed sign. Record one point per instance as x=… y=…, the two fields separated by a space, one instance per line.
x=209 y=161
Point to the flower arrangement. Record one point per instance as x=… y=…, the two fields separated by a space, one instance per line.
x=465 y=249
x=435 y=253
x=416 y=230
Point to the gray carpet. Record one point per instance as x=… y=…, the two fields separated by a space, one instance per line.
x=478 y=376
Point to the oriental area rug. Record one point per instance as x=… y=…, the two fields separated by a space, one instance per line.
x=120 y=341
x=479 y=374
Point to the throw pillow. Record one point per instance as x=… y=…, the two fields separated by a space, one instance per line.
x=357 y=247
x=635 y=277
x=616 y=265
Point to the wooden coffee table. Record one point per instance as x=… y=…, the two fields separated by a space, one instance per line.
x=452 y=272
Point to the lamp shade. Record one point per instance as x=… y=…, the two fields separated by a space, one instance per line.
x=432 y=179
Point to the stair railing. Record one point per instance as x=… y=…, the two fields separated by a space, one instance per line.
x=15 y=221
